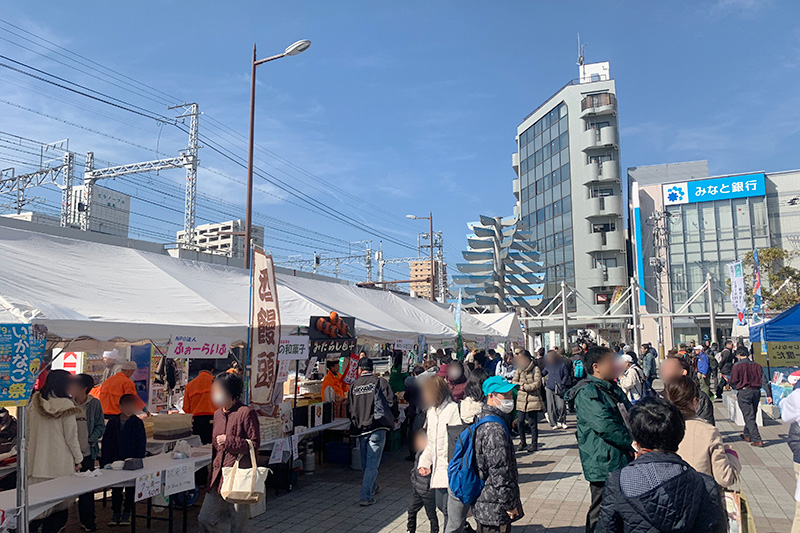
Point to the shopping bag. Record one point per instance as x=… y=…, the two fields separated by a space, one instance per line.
x=244 y=485
x=740 y=517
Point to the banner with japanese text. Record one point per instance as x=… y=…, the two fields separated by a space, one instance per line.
x=738 y=298
x=265 y=329
x=21 y=350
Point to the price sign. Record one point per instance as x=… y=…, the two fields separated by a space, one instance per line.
x=147 y=486
x=178 y=479
x=405 y=345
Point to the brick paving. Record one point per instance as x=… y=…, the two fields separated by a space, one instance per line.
x=555 y=496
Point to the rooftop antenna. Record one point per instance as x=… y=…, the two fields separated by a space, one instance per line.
x=581 y=47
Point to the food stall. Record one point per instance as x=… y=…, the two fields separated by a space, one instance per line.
x=92 y=297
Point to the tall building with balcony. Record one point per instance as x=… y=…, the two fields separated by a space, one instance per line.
x=224 y=238
x=569 y=195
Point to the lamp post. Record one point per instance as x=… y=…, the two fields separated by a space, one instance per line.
x=291 y=50
x=433 y=270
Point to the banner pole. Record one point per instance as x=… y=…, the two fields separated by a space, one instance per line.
x=248 y=355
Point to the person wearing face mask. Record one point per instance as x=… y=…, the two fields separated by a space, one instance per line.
x=499 y=502
x=234 y=425
x=456 y=380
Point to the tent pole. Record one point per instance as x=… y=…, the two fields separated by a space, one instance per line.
x=22 y=469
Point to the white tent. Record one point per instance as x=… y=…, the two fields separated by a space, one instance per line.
x=506 y=326
x=82 y=289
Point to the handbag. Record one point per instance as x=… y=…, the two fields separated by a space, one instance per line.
x=244 y=485
x=737 y=507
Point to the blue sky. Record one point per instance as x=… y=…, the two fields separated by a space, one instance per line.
x=406 y=107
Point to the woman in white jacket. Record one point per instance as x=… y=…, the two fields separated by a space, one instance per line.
x=632 y=379
x=442 y=412
x=53 y=446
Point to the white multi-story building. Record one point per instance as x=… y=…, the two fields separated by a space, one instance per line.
x=224 y=238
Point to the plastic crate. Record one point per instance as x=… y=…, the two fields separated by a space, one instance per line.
x=337 y=453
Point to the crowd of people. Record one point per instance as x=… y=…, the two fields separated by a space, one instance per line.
x=654 y=460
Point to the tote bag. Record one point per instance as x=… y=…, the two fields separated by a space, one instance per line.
x=244 y=485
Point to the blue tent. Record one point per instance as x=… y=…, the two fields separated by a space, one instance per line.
x=782 y=334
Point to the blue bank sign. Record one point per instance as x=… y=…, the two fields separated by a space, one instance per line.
x=714 y=189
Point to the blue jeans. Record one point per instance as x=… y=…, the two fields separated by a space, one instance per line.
x=371 y=452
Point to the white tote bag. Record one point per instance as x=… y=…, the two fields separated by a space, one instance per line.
x=244 y=485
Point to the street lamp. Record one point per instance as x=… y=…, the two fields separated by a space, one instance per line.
x=433 y=270
x=291 y=50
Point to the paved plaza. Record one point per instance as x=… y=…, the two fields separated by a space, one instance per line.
x=554 y=494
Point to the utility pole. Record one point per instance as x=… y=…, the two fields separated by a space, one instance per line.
x=659 y=220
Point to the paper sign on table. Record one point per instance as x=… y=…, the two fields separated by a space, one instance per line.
x=277 y=452
x=147 y=486
x=317 y=414
x=295 y=442
x=177 y=479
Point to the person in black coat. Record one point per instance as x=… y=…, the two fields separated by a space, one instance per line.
x=421 y=494
x=659 y=491
x=125 y=438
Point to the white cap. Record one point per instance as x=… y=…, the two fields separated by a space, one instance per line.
x=627 y=358
x=128 y=365
x=112 y=354
x=627 y=348
x=698 y=348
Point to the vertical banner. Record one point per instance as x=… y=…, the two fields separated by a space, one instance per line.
x=757 y=300
x=265 y=329
x=351 y=373
x=736 y=275
x=459 y=340
x=21 y=350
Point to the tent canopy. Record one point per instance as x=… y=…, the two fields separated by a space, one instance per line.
x=506 y=325
x=782 y=328
x=110 y=293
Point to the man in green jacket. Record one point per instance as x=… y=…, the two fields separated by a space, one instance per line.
x=604 y=442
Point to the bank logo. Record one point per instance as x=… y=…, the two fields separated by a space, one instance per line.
x=677 y=193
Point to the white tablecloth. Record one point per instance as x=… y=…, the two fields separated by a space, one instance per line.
x=43 y=496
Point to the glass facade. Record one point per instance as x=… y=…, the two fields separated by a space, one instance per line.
x=704 y=237
x=545 y=196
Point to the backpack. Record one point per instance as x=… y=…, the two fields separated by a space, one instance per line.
x=462 y=471
x=577 y=369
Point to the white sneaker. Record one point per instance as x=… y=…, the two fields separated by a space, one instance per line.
x=553 y=427
x=546 y=417
x=563 y=426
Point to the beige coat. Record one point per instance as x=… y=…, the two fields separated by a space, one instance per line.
x=53 y=447
x=529 y=397
x=434 y=456
x=702 y=448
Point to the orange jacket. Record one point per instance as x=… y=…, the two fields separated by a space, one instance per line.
x=113 y=389
x=336 y=382
x=197 y=399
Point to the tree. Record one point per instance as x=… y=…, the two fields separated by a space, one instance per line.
x=780 y=282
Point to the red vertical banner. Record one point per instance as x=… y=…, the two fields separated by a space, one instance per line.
x=265 y=330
